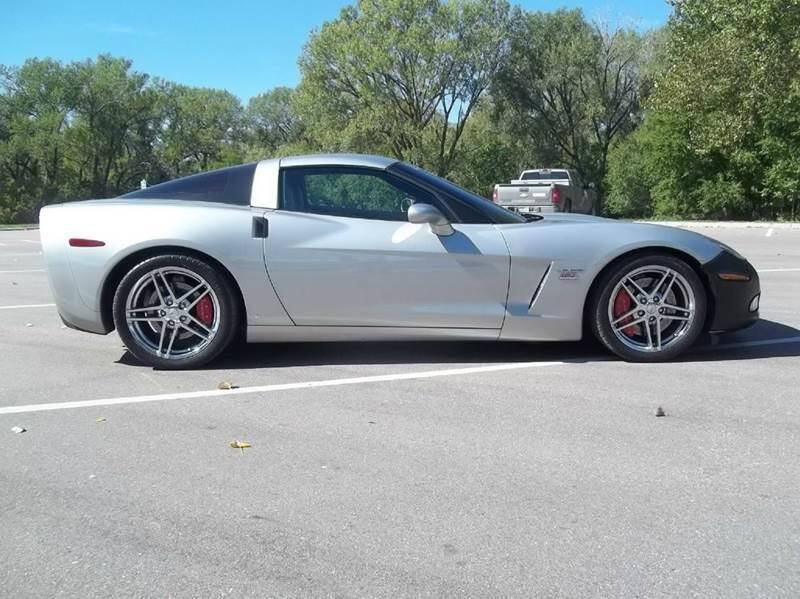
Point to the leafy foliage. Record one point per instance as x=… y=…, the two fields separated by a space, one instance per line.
x=721 y=135
x=402 y=77
x=96 y=128
x=700 y=119
x=572 y=87
x=273 y=120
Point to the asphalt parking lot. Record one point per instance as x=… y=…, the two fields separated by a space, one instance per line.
x=387 y=470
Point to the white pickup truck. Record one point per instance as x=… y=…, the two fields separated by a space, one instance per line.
x=546 y=190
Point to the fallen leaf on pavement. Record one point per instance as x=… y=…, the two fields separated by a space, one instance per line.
x=240 y=445
x=224 y=385
x=101 y=419
x=18 y=429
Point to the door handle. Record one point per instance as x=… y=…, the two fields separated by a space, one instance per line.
x=260 y=227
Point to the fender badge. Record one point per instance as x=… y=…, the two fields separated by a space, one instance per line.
x=570 y=274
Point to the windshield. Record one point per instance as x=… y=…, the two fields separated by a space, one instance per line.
x=496 y=213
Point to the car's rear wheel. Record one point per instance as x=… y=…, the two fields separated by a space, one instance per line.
x=649 y=308
x=175 y=311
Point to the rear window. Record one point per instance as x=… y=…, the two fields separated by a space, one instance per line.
x=542 y=175
x=230 y=185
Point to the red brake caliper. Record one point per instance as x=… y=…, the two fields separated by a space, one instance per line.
x=622 y=305
x=204 y=310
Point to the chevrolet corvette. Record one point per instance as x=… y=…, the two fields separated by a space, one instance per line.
x=353 y=247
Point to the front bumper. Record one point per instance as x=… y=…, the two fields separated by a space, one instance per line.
x=735 y=302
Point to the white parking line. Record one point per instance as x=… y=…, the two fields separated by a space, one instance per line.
x=8 y=272
x=381 y=378
x=26 y=306
x=31 y=241
x=779 y=270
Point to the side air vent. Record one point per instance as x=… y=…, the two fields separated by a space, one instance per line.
x=540 y=286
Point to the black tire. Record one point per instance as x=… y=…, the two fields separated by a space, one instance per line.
x=601 y=322
x=226 y=325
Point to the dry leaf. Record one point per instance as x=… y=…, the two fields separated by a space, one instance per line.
x=240 y=445
x=18 y=429
x=101 y=419
x=225 y=385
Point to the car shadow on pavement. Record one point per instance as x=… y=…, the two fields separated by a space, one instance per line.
x=244 y=356
x=765 y=339
x=772 y=339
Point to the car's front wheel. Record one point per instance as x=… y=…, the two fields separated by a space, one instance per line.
x=649 y=308
x=175 y=311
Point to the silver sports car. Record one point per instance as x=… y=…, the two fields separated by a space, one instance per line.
x=351 y=247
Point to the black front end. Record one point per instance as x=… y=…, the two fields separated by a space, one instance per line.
x=736 y=292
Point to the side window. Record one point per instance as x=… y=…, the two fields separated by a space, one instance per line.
x=466 y=213
x=230 y=185
x=354 y=193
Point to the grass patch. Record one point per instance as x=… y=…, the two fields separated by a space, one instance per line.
x=18 y=227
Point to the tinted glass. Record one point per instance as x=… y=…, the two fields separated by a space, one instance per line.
x=355 y=193
x=545 y=175
x=469 y=207
x=226 y=186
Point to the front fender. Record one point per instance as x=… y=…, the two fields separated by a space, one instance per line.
x=555 y=261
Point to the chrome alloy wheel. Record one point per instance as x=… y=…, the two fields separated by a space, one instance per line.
x=172 y=312
x=651 y=308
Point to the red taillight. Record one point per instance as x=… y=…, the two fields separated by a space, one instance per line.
x=77 y=242
x=494 y=195
x=555 y=195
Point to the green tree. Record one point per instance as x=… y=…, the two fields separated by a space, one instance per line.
x=401 y=77
x=273 y=120
x=202 y=129
x=726 y=97
x=114 y=109
x=573 y=87
x=491 y=151
x=37 y=102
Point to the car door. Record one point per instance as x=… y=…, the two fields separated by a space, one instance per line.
x=340 y=252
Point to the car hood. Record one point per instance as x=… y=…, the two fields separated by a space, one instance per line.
x=576 y=218
x=579 y=235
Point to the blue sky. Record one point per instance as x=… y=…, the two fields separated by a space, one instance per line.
x=244 y=47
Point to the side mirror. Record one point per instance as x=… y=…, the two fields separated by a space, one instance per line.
x=421 y=214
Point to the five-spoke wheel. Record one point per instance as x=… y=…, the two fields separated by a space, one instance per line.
x=175 y=312
x=649 y=308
